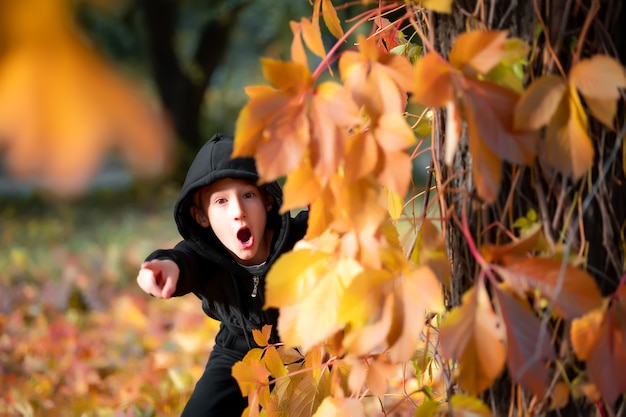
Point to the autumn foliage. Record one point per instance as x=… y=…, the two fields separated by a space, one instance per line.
x=365 y=323
x=372 y=320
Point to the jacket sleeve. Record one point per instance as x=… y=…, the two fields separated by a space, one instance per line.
x=190 y=264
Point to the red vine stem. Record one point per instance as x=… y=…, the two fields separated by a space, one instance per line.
x=366 y=16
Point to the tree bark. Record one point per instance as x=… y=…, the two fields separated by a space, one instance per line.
x=550 y=195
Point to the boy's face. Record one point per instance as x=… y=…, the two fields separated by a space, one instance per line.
x=237 y=212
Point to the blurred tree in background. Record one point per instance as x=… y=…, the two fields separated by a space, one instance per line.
x=85 y=80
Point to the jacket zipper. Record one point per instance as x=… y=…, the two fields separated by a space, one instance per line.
x=255 y=281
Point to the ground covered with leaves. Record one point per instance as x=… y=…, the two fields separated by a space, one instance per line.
x=77 y=336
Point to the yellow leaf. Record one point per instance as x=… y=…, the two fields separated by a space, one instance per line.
x=428 y=408
x=293 y=276
x=363 y=339
x=250 y=375
x=315 y=316
x=273 y=362
x=539 y=103
x=472 y=335
x=433 y=81
x=478 y=51
x=363 y=300
x=441 y=6
x=464 y=406
x=331 y=19
x=395 y=204
x=567 y=146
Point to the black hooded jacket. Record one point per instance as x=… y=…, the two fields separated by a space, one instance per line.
x=207 y=269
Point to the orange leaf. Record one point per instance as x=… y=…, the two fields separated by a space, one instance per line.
x=608 y=356
x=600 y=76
x=62 y=107
x=301 y=188
x=433 y=82
x=478 y=51
x=378 y=81
x=539 y=102
x=361 y=155
x=585 y=332
x=471 y=334
x=492 y=111
x=572 y=292
x=394 y=137
x=264 y=103
x=599 y=79
x=313 y=36
x=567 y=146
x=298 y=54
x=528 y=342
x=417 y=293
x=262 y=337
x=379 y=372
x=520 y=247
x=332 y=113
x=331 y=19
x=289 y=77
x=486 y=165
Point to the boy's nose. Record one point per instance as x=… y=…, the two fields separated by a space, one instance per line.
x=237 y=209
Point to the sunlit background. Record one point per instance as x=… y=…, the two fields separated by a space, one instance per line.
x=102 y=105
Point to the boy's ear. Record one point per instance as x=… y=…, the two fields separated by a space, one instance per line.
x=269 y=201
x=200 y=217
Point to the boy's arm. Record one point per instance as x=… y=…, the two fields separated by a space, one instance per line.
x=189 y=263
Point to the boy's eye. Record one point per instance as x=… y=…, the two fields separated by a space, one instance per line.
x=220 y=201
x=249 y=194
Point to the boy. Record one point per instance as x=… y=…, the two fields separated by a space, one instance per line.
x=232 y=232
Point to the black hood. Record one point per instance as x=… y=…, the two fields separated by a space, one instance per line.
x=213 y=162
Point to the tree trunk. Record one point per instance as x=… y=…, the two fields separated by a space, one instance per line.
x=599 y=202
x=181 y=93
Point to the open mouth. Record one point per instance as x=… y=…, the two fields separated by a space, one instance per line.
x=245 y=236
